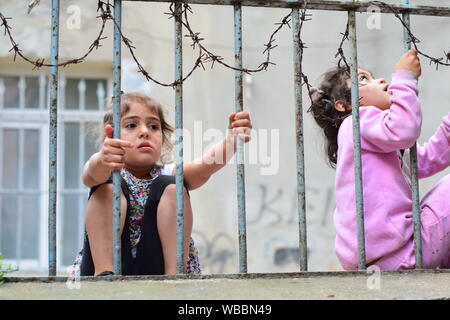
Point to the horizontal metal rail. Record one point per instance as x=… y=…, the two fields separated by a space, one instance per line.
x=277 y=275
x=323 y=5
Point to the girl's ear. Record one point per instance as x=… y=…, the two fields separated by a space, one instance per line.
x=339 y=105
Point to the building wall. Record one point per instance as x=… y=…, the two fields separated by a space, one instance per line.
x=272 y=228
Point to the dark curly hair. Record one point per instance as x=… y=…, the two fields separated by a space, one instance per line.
x=334 y=87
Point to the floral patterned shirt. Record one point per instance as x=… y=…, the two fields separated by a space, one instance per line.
x=139 y=191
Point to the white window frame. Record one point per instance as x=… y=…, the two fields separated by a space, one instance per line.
x=33 y=264
x=22 y=118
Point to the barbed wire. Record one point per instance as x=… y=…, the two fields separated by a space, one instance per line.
x=205 y=55
x=303 y=18
x=38 y=63
x=32 y=4
x=412 y=39
x=340 y=51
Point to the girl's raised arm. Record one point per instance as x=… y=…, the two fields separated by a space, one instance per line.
x=398 y=127
x=197 y=172
x=434 y=155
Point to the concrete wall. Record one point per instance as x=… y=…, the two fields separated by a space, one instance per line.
x=272 y=229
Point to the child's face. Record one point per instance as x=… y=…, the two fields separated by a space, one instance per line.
x=142 y=127
x=373 y=92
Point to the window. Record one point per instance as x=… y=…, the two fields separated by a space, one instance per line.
x=22 y=92
x=24 y=165
x=20 y=193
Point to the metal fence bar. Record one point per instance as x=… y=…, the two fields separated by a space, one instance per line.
x=301 y=195
x=353 y=62
x=323 y=5
x=414 y=168
x=116 y=234
x=179 y=179
x=53 y=121
x=239 y=106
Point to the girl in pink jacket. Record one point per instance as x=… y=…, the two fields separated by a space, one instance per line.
x=390 y=122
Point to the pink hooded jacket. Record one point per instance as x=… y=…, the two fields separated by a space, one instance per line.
x=387 y=193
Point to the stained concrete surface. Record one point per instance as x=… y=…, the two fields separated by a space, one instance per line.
x=339 y=285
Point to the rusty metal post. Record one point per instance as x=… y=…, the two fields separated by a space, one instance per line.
x=357 y=141
x=53 y=119
x=240 y=144
x=301 y=193
x=117 y=245
x=414 y=168
x=179 y=178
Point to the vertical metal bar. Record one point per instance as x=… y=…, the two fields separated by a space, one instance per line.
x=53 y=119
x=80 y=193
x=117 y=259
x=301 y=198
x=179 y=179
x=357 y=142
x=240 y=144
x=414 y=168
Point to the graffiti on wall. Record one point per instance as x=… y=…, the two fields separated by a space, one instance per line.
x=272 y=204
x=217 y=253
x=276 y=213
x=272 y=218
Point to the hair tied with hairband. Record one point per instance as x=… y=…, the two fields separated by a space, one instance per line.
x=316 y=94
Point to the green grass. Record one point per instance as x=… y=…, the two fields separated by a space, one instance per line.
x=4 y=269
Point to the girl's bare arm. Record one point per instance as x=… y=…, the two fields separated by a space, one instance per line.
x=197 y=172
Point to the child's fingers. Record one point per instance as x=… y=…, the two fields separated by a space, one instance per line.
x=115 y=166
x=242 y=132
x=114 y=158
x=412 y=51
x=408 y=55
x=117 y=143
x=409 y=61
x=241 y=123
x=242 y=115
x=108 y=131
x=231 y=119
